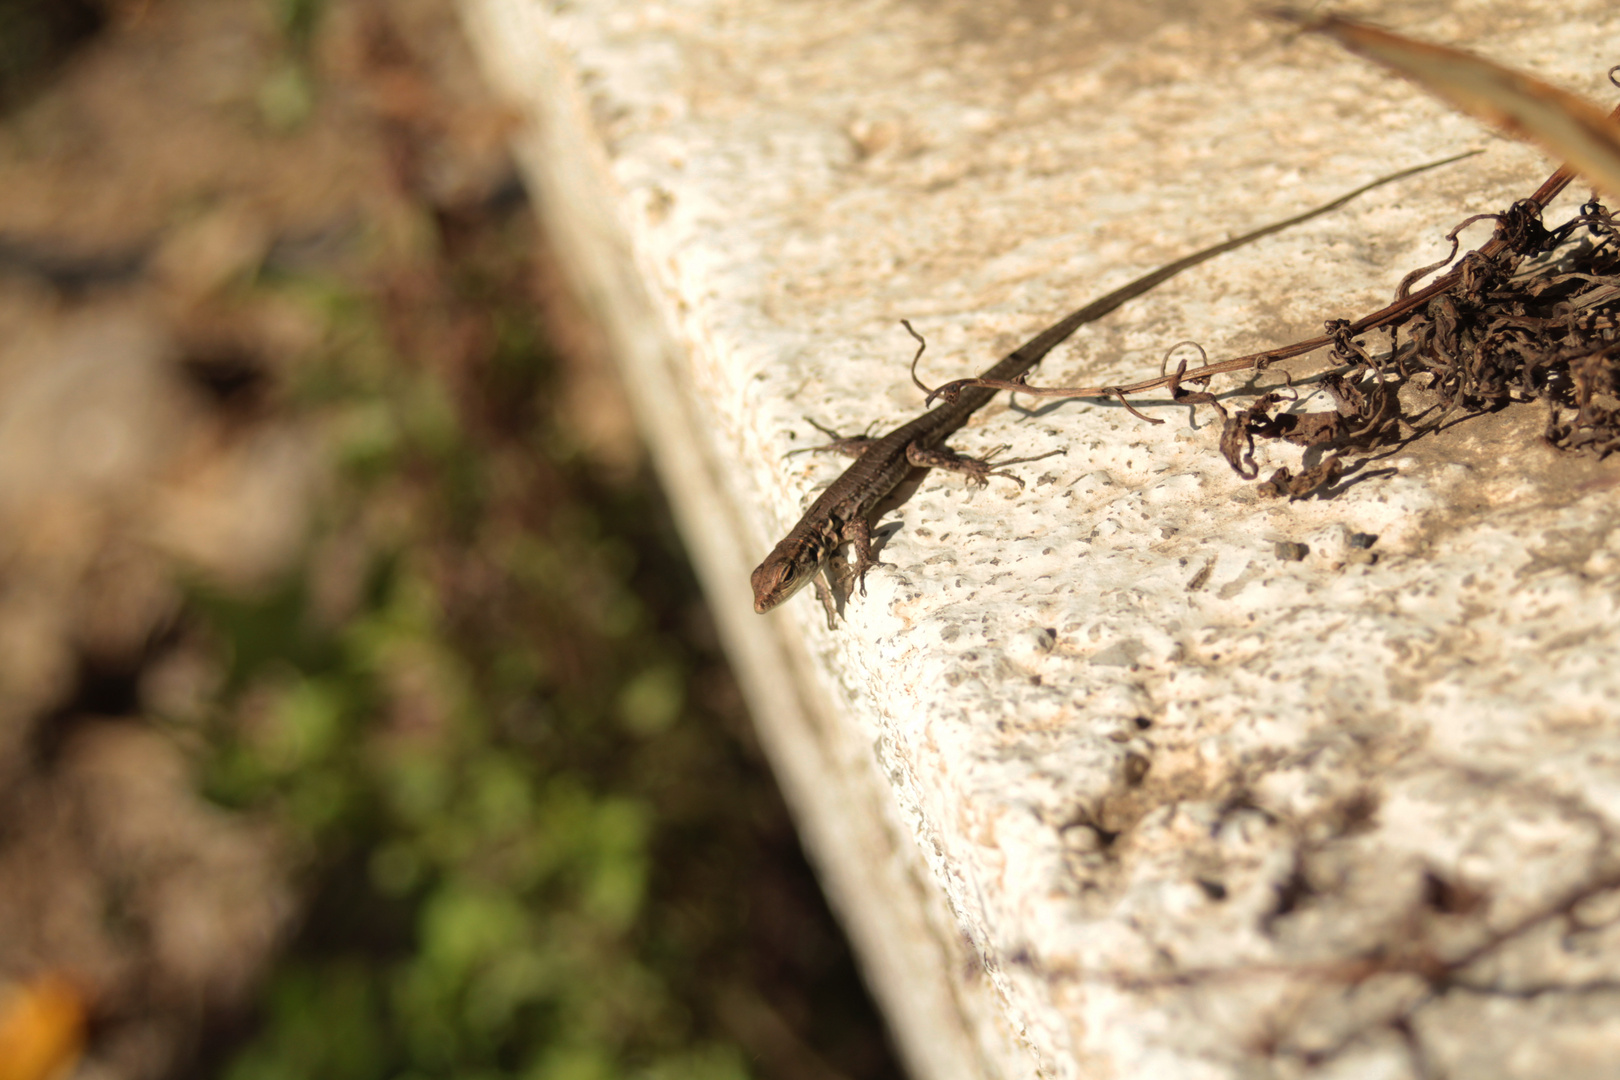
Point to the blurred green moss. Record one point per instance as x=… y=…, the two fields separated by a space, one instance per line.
x=483 y=755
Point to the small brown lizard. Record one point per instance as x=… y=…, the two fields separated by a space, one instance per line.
x=842 y=513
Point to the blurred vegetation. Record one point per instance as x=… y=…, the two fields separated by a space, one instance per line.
x=35 y=35
x=488 y=717
x=530 y=817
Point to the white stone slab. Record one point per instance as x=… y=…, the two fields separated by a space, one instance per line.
x=1100 y=784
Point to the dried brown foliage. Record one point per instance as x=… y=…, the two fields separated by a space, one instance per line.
x=1532 y=316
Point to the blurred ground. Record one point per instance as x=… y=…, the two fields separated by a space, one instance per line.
x=359 y=716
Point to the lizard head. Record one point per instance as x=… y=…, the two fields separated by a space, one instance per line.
x=789 y=567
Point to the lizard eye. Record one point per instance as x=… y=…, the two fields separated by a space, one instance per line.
x=788 y=571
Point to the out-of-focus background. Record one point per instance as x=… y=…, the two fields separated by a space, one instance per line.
x=359 y=715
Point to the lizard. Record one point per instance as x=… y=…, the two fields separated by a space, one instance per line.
x=843 y=511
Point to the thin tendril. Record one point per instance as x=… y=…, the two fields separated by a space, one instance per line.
x=921 y=345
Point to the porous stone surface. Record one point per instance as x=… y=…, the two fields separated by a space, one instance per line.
x=1130 y=772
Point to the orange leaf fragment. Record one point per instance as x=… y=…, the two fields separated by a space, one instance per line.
x=42 y=1028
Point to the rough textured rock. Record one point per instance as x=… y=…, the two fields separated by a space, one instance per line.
x=1210 y=786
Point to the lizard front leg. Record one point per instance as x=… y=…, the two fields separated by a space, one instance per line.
x=823 y=583
x=858 y=532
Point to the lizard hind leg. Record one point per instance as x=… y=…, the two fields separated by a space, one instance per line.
x=848 y=445
x=977 y=470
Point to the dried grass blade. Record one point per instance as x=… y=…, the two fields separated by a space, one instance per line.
x=1523 y=106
